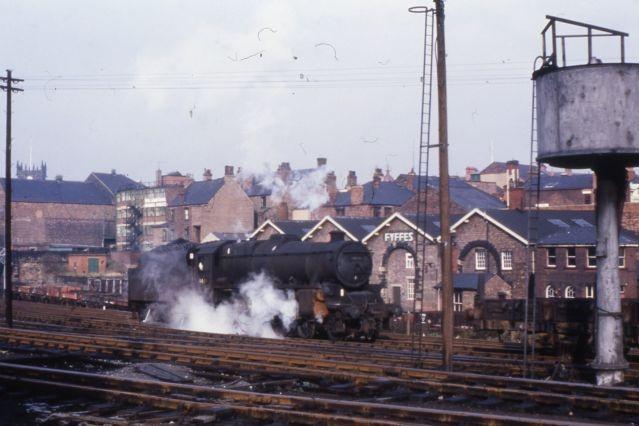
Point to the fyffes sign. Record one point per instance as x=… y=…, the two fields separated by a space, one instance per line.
x=394 y=237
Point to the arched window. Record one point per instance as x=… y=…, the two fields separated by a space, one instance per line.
x=569 y=292
x=550 y=292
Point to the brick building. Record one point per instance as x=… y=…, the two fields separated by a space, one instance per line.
x=60 y=213
x=297 y=228
x=557 y=192
x=493 y=243
x=463 y=196
x=290 y=194
x=211 y=206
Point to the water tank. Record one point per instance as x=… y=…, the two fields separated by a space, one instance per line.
x=588 y=114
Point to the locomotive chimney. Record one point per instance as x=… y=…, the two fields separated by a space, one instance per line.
x=337 y=236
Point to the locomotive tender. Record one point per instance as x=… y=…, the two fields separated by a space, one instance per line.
x=330 y=280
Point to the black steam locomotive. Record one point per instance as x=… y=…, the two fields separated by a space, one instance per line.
x=330 y=280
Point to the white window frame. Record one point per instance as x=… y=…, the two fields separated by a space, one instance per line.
x=410 y=288
x=410 y=261
x=589 y=291
x=507 y=260
x=480 y=261
x=622 y=257
x=569 y=292
x=550 y=292
x=592 y=255
x=458 y=301
x=573 y=257
x=554 y=256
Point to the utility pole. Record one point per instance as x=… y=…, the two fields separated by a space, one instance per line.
x=444 y=196
x=8 y=270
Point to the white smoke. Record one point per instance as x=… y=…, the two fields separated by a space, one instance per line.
x=303 y=190
x=250 y=313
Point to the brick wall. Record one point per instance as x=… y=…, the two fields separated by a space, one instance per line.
x=42 y=224
x=230 y=210
x=396 y=271
x=479 y=229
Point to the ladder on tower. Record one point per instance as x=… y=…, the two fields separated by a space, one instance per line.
x=532 y=209
x=422 y=187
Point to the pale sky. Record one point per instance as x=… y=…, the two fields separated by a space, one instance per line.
x=137 y=85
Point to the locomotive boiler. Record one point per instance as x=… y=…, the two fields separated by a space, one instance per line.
x=330 y=280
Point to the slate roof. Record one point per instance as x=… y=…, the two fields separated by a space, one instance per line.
x=299 y=228
x=257 y=190
x=114 y=182
x=558 y=227
x=562 y=182
x=461 y=192
x=359 y=227
x=464 y=281
x=61 y=192
x=430 y=223
x=501 y=167
x=387 y=194
x=199 y=192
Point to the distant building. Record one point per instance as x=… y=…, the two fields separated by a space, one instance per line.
x=210 y=206
x=59 y=213
x=557 y=192
x=31 y=172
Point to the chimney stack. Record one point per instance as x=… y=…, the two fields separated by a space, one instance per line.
x=470 y=171
x=410 y=180
x=331 y=186
x=377 y=178
x=357 y=195
x=207 y=175
x=351 y=180
x=228 y=171
x=321 y=162
x=282 y=211
x=158 y=177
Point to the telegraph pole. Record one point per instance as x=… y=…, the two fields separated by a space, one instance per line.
x=8 y=270
x=444 y=196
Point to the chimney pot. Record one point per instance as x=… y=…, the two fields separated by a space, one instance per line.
x=351 y=180
x=228 y=171
x=321 y=161
x=207 y=175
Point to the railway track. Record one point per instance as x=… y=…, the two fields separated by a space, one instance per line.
x=292 y=379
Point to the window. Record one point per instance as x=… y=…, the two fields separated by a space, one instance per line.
x=550 y=292
x=569 y=292
x=410 y=261
x=186 y=213
x=622 y=288
x=94 y=265
x=587 y=198
x=457 y=301
x=622 y=257
x=263 y=202
x=410 y=288
x=592 y=257
x=590 y=292
x=388 y=211
x=551 y=257
x=164 y=236
x=377 y=211
x=571 y=257
x=480 y=260
x=507 y=260
x=340 y=211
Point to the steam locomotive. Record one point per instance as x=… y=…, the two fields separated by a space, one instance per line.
x=330 y=280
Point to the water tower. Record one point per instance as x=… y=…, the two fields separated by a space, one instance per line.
x=588 y=117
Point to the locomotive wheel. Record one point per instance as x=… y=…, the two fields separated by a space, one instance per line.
x=335 y=327
x=305 y=329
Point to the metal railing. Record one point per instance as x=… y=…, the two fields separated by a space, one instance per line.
x=551 y=59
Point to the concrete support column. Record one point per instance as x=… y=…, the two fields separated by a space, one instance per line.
x=609 y=361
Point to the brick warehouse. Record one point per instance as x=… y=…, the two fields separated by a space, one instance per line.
x=64 y=213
